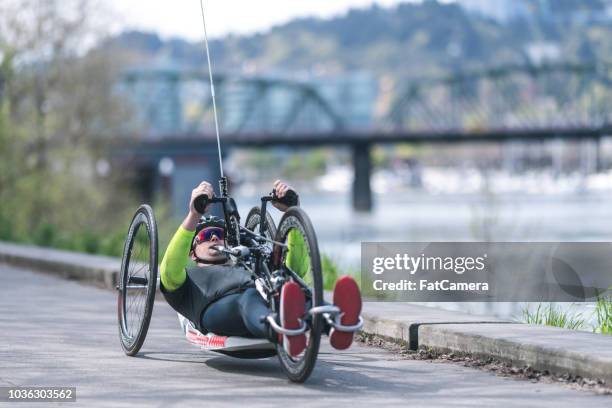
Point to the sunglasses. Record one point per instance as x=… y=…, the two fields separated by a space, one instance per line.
x=207 y=233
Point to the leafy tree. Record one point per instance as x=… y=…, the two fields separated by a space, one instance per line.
x=58 y=114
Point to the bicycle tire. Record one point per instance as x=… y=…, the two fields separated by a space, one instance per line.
x=130 y=281
x=253 y=220
x=299 y=369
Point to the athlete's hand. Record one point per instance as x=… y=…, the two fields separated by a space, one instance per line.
x=281 y=188
x=203 y=188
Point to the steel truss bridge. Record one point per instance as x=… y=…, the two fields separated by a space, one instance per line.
x=529 y=103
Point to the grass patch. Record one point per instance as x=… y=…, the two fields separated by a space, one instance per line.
x=603 y=314
x=556 y=317
x=330 y=272
x=553 y=316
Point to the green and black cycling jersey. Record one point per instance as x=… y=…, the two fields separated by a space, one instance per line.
x=191 y=290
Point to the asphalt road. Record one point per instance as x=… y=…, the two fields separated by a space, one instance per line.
x=61 y=333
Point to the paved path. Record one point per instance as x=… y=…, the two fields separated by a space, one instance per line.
x=58 y=332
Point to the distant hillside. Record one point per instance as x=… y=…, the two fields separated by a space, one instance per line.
x=412 y=39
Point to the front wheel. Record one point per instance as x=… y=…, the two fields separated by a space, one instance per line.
x=137 y=281
x=300 y=260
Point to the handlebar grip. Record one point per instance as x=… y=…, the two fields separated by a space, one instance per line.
x=200 y=203
x=290 y=199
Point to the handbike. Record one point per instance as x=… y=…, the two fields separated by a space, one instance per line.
x=273 y=255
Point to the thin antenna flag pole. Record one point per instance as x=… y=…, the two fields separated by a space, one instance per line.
x=212 y=88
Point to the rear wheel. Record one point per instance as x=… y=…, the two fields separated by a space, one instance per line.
x=300 y=260
x=137 y=281
x=252 y=222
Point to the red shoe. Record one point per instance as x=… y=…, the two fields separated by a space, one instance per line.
x=348 y=298
x=292 y=309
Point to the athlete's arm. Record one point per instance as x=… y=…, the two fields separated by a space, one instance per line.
x=172 y=268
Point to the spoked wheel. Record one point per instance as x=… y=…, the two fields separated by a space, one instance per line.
x=254 y=219
x=233 y=231
x=137 y=280
x=300 y=258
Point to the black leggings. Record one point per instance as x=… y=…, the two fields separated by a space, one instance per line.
x=239 y=314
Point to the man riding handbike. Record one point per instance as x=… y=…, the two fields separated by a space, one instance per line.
x=219 y=297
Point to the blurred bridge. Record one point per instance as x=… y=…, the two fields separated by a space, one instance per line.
x=532 y=103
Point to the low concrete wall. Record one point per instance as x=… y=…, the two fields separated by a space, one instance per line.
x=544 y=348
x=101 y=271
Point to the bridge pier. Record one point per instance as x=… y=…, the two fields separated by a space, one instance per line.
x=362 y=165
x=599 y=166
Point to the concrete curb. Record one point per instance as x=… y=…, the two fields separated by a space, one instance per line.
x=401 y=320
x=557 y=350
x=101 y=271
x=544 y=348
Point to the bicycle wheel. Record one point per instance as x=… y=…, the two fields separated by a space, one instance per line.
x=233 y=231
x=301 y=256
x=253 y=220
x=137 y=281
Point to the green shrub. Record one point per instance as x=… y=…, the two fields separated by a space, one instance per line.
x=603 y=314
x=45 y=234
x=6 y=228
x=112 y=243
x=89 y=242
x=330 y=272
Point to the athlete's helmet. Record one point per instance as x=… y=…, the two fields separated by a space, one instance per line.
x=205 y=222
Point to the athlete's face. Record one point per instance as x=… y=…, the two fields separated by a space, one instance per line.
x=204 y=249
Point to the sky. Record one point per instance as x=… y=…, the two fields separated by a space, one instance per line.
x=182 y=18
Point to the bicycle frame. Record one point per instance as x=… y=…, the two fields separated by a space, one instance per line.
x=229 y=209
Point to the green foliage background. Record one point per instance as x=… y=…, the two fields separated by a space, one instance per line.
x=413 y=39
x=59 y=116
